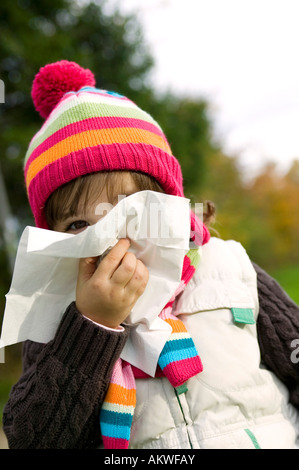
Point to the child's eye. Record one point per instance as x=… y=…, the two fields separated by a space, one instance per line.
x=77 y=226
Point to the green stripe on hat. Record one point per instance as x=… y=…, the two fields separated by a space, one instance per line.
x=84 y=111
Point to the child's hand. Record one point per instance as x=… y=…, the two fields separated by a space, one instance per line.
x=106 y=293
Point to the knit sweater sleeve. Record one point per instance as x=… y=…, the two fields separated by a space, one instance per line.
x=277 y=327
x=57 y=400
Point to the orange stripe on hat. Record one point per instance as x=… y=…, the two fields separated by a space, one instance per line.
x=93 y=138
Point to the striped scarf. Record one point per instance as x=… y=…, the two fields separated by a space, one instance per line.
x=178 y=361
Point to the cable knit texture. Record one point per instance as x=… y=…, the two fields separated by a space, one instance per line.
x=57 y=401
x=277 y=327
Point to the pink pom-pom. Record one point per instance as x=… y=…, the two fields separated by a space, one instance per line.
x=54 y=80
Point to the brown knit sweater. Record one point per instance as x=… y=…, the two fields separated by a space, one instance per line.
x=57 y=401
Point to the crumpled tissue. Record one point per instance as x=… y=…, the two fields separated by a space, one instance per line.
x=46 y=268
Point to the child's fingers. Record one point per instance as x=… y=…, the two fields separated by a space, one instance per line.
x=137 y=283
x=112 y=260
x=125 y=270
x=87 y=267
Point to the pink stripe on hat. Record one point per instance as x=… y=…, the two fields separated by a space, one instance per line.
x=135 y=157
x=90 y=124
x=57 y=91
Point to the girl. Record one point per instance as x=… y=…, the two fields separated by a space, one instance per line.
x=224 y=379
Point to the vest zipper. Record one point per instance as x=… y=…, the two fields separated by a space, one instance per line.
x=178 y=391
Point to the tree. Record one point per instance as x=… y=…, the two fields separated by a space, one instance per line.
x=35 y=33
x=188 y=127
x=112 y=46
x=275 y=198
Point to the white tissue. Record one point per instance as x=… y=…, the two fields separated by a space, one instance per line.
x=44 y=278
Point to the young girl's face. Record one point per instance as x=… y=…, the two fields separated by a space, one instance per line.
x=76 y=220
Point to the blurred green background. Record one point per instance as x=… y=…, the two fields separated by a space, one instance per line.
x=262 y=213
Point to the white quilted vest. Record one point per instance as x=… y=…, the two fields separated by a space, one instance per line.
x=234 y=403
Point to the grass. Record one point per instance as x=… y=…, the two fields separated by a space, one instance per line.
x=288 y=278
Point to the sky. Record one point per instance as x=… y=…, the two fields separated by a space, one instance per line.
x=240 y=55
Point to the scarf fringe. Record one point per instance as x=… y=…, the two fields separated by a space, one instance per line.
x=178 y=361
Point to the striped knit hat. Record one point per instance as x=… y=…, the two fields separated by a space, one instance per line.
x=87 y=130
